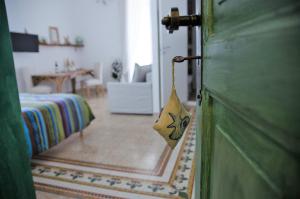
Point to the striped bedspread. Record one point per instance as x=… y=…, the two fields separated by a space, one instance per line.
x=49 y=119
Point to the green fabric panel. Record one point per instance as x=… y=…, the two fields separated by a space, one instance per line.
x=69 y=108
x=250 y=111
x=39 y=131
x=49 y=126
x=15 y=173
x=90 y=113
x=61 y=132
x=85 y=111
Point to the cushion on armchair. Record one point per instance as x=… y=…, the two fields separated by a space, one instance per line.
x=149 y=77
x=135 y=97
x=140 y=72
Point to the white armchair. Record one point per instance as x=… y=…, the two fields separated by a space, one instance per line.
x=133 y=98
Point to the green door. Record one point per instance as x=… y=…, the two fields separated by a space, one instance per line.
x=250 y=114
x=15 y=173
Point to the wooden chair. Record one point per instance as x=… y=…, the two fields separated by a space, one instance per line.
x=94 y=83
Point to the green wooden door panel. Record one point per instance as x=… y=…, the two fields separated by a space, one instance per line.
x=261 y=60
x=233 y=14
x=250 y=113
x=15 y=173
x=231 y=165
x=198 y=156
x=259 y=156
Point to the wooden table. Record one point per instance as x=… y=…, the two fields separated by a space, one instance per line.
x=59 y=78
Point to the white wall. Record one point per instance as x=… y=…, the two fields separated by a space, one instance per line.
x=198 y=47
x=172 y=45
x=100 y=25
x=103 y=29
x=156 y=57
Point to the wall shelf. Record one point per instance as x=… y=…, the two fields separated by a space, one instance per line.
x=62 y=45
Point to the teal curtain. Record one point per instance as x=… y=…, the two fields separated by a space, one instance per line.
x=15 y=174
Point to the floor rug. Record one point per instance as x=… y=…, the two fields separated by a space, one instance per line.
x=173 y=176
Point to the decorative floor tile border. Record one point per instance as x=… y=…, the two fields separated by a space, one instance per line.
x=180 y=182
x=72 y=192
x=157 y=171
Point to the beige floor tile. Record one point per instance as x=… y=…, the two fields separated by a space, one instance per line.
x=45 y=195
x=116 y=139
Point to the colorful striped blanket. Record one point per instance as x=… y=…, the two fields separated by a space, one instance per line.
x=49 y=119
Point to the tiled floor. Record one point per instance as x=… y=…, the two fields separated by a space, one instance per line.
x=45 y=195
x=112 y=139
x=118 y=156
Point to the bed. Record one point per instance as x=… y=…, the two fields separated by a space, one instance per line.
x=49 y=119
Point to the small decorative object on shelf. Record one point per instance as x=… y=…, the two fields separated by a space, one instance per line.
x=72 y=66
x=61 y=45
x=53 y=34
x=54 y=40
x=43 y=40
x=56 y=67
x=78 y=41
x=69 y=65
x=67 y=40
x=117 y=69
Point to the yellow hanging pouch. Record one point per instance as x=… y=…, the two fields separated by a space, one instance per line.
x=173 y=119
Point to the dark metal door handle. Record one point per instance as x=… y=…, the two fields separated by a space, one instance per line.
x=174 y=20
x=179 y=59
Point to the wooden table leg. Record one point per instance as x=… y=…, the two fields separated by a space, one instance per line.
x=59 y=84
x=73 y=82
x=58 y=88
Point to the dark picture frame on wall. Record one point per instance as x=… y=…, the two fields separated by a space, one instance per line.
x=54 y=35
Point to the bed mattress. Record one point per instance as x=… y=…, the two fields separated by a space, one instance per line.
x=48 y=119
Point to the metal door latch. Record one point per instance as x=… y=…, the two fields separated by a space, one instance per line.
x=199 y=98
x=174 y=20
x=179 y=59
